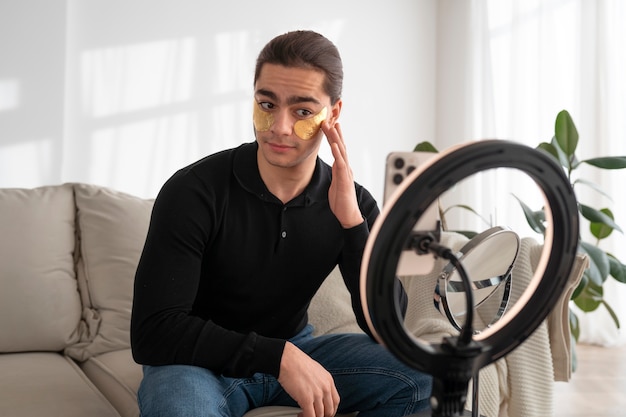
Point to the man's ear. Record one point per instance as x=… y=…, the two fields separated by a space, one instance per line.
x=335 y=111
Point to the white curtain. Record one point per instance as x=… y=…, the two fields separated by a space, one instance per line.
x=507 y=67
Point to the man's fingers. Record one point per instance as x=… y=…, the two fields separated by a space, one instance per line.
x=338 y=155
x=338 y=147
x=331 y=403
x=323 y=405
x=320 y=408
x=317 y=409
x=335 y=136
x=341 y=142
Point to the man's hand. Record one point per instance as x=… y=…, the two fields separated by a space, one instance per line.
x=308 y=383
x=341 y=194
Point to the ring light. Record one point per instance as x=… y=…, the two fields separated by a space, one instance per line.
x=451 y=363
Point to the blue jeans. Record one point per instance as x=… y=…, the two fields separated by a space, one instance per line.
x=368 y=377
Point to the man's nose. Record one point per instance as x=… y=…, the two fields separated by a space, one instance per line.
x=283 y=123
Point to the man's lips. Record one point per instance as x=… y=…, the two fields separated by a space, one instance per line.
x=279 y=147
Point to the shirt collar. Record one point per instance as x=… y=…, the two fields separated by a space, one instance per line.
x=246 y=170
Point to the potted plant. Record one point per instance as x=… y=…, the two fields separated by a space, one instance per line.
x=589 y=294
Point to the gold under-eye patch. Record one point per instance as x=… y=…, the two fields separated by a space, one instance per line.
x=307 y=128
x=262 y=120
x=304 y=129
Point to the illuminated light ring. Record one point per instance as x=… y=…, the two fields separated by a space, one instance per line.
x=392 y=229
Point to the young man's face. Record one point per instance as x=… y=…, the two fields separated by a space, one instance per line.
x=289 y=106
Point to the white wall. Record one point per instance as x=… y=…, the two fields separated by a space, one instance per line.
x=122 y=93
x=32 y=61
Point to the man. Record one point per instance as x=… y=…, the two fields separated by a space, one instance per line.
x=238 y=244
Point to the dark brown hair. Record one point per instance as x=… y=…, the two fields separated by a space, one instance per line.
x=305 y=49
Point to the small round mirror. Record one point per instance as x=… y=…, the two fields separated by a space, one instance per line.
x=488 y=259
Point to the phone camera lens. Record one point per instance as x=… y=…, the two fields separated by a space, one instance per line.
x=398 y=163
x=397 y=179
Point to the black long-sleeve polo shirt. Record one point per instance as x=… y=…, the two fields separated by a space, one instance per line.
x=227 y=271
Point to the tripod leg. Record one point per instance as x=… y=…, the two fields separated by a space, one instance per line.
x=475 y=395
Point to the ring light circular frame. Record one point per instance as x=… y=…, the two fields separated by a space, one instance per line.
x=419 y=190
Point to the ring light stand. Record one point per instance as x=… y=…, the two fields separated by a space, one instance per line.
x=456 y=360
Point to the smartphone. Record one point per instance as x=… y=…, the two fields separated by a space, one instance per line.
x=398 y=166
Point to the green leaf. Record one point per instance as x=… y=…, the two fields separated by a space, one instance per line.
x=617 y=269
x=601 y=230
x=566 y=133
x=599 y=267
x=550 y=149
x=597 y=216
x=468 y=208
x=534 y=218
x=607 y=162
x=425 y=147
x=612 y=313
x=581 y=286
x=593 y=186
x=574 y=163
x=590 y=299
x=562 y=158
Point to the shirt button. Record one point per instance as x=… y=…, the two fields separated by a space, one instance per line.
x=284 y=234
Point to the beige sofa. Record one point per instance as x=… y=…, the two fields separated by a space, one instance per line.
x=67 y=261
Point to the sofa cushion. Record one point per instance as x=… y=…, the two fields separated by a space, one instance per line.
x=39 y=302
x=117 y=376
x=112 y=228
x=48 y=384
x=330 y=310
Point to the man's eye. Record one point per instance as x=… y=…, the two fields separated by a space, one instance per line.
x=266 y=106
x=304 y=113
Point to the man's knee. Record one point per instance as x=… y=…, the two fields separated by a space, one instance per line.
x=178 y=390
